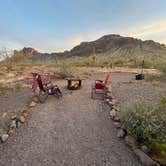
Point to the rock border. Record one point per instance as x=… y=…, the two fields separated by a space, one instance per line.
x=18 y=120
x=123 y=135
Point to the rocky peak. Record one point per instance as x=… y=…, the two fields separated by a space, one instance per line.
x=29 y=51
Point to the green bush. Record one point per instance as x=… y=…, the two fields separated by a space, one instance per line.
x=64 y=70
x=158 y=77
x=145 y=120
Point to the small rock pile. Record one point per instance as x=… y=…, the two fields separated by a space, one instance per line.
x=123 y=135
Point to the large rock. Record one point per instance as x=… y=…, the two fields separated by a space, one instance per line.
x=112 y=114
x=145 y=159
x=32 y=104
x=18 y=124
x=117 y=119
x=107 y=100
x=11 y=131
x=22 y=119
x=35 y=99
x=25 y=114
x=117 y=124
x=13 y=124
x=144 y=148
x=4 y=137
x=14 y=117
x=131 y=142
x=121 y=133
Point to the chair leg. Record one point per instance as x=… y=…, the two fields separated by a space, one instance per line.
x=92 y=93
x=105 y=92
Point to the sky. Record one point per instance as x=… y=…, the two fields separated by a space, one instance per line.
x=58 y=25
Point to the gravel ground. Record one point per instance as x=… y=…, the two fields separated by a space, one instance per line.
x=72 y=131
x=126 y=89
x=14 y=102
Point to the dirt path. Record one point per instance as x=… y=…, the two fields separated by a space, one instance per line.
x=73 y=131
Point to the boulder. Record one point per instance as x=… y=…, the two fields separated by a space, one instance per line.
x=121 y=133
x=13 y=124
x=18 y=124
x=22 y=119
x=117 y=124
x=115 y=108
x=32 y=104
x=144 y=148
x=11 y=131
x=25 y=114
x=35 y=99
x=112 y=114
x=117 y=119
x=131 y=142
x=107 y=100
x=14 y=117
x=4 y=137
x=145 y=159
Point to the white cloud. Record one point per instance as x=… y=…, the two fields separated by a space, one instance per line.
x=74 y=41
x=146 y=31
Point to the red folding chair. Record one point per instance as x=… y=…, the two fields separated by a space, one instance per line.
x=100 y=87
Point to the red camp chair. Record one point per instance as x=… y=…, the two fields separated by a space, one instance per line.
x=100 y=87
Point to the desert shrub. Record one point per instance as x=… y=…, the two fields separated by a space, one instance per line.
x=5 y=88
x=18 y=86
x=145 y=120
x=64 y=70
x=152 y=77
x=158 y=77
x=119 y=62
x=163 y=71
x=8 y=64
x=148 y=64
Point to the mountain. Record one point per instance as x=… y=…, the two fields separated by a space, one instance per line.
x=108 y=45
x=116 y=45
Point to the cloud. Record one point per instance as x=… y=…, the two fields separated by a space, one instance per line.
x=145 y=31
x=162 y=41
x=73 y=41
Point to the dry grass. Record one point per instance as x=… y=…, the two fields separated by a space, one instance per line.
x=4 y=88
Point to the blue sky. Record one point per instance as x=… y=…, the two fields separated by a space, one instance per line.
x=57 y=25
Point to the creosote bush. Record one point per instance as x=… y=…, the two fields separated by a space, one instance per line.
x=64 y=70
x=145 y=121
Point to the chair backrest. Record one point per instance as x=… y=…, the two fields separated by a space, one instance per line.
x=38 y=81
x=107 y=79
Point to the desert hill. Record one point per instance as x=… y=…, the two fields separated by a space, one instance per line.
x=108 y=45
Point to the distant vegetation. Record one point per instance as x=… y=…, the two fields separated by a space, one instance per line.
x=4 y=88
x=108 y=51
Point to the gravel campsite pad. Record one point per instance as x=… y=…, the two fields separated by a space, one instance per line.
x=74 y=130
x=15 y=101
x=126 y=89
